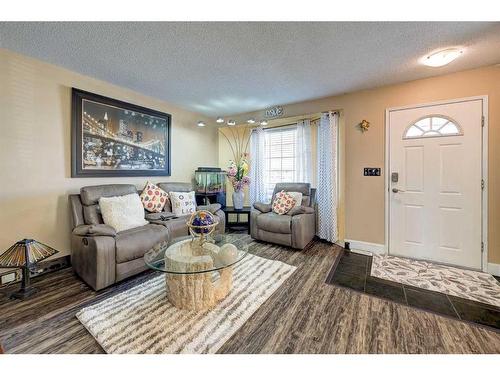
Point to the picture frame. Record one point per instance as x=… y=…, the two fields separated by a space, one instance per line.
x=112 y=138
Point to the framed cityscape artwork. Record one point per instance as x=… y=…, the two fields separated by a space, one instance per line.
x=111 y=138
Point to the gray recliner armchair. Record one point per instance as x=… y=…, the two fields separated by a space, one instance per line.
x=296 y=229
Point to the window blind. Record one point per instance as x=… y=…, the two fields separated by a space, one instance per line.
x=279 y=158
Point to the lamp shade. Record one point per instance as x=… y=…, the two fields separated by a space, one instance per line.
x=34 y=251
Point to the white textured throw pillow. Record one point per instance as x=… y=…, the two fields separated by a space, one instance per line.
x=122 y=212
x=298 y=198
x=183 y=203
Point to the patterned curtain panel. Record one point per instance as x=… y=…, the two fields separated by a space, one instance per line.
x=257 y=182
x=303 y=164
x=327 y=176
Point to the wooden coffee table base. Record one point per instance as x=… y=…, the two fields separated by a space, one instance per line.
x=198 y=291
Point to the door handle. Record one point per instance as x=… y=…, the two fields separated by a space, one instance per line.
x=396 y=190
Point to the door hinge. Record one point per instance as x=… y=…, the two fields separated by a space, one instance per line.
x=482 y=184
x=482 y=247
x=482 y=121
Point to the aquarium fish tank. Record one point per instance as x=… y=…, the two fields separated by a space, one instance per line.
x=211 y=184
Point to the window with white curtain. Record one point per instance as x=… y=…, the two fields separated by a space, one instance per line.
x=279 y=157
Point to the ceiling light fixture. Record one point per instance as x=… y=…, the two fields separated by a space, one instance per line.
x=442 y=58
x=251 y=121
x=263 y=122
x=231 y=122
x=219 y=120
x=201 y=124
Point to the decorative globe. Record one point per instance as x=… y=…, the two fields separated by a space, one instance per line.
x=201 y=223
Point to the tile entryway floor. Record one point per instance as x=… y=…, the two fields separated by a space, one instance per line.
x=354 y=271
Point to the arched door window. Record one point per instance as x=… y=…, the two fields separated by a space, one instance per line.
x=433 y=126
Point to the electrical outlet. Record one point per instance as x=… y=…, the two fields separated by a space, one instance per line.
x=371 y=172
x=8 y=276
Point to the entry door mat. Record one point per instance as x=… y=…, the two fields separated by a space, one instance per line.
x=354 y=271
x=458 y=282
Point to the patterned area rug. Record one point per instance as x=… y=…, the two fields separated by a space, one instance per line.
x=142 y=320
x=472 y=285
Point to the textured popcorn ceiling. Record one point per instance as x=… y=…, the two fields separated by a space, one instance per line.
x=229 y=68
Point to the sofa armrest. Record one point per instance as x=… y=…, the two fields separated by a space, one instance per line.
x=94 y=259
x=263 y=207
x=94 y=230
x=212 y=208
x=300 y=210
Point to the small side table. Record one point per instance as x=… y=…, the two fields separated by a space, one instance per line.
x=244 y=211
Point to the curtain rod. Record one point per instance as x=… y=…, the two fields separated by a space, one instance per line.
x=295 y=123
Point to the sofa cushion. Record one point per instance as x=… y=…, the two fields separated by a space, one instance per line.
x=122 y=212
x=153 y=216
x=90 y=194
x=306 y=200
x=176 y=227
x=301 y=187
x=92 y=214
x=133 y=243
x=153 y=198
x=175 y=186
x=263 y=207
x=275 y=223
x=212 y=207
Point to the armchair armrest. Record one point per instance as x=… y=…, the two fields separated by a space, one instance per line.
x=95 y=230
x=212 y=208
x=262 y=207
x=300 y=210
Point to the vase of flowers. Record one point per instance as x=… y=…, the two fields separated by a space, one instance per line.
x=238 y=139
x=238 y=176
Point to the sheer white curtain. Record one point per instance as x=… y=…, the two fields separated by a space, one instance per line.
x=327 y=176
x=303 y=163
x=257 y=165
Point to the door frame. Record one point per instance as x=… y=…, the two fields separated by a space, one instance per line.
x=484 y=169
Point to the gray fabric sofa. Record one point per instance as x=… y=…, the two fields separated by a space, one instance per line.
x=296 y=229
x=100 y=255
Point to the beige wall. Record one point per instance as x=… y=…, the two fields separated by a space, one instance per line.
x=364 y=202
x=35 y=128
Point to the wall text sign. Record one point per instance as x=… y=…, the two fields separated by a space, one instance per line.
x=274 y=112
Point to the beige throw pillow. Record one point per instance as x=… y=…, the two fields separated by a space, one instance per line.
x=122 y=212
x=297 y=197
x=183 y=203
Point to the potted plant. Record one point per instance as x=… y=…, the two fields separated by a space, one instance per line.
x=238 y=140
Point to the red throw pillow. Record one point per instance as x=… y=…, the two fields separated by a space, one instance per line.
x=283 y=202
x=153 y=198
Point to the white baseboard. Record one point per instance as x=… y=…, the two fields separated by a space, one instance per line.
x=494 y=269
x=364 y=247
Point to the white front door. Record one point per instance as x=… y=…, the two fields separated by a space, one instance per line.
x=435 y=172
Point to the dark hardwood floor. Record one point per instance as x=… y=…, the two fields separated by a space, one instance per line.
x=305 y=315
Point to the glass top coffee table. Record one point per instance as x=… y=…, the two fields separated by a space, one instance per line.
x=198 y=275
